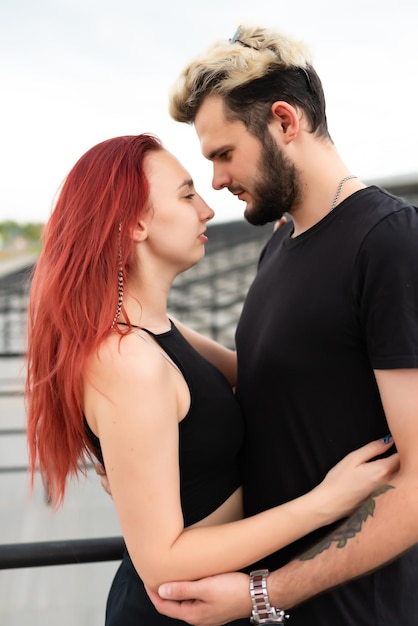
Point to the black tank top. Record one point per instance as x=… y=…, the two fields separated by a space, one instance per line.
x=210 y=435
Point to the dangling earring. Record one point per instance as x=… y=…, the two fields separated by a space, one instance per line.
x=120 y=278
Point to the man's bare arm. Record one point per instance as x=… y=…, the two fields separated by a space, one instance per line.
x=221 y=357
x=385 y=527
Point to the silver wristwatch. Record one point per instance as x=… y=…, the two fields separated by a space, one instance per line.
x=263 y=612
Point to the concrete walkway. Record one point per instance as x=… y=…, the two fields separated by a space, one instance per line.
x=65 y=595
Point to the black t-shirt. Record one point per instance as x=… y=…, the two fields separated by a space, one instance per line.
x=325 y=309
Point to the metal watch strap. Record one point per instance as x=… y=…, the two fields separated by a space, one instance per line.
x=263 y=612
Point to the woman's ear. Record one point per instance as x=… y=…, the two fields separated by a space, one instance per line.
x=140 y=232
x=285 y=121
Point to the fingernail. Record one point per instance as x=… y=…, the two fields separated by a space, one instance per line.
x=387 y=439
x=164 y=591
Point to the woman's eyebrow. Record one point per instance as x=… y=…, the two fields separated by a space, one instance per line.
x=186 y=183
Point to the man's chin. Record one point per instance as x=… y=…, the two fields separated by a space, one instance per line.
x=249 y=215
x=256 y=217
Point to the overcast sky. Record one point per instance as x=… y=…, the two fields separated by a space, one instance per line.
x=76 y=72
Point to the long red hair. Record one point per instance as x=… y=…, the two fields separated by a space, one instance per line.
x=74 y=298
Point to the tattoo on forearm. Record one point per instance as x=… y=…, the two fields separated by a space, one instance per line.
x=349 y=529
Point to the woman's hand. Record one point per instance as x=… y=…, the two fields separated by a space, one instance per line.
x=280 y=222
x=104 y=481
x=356 y=477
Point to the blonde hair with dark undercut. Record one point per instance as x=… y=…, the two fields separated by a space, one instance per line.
x=228 y=65
x=251 y=71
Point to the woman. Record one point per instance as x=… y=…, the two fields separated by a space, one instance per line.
x=111 y=376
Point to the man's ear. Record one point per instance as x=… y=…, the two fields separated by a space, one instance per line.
x=285 y=121
x=140 y=232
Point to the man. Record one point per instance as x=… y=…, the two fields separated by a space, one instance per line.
x=327 y=343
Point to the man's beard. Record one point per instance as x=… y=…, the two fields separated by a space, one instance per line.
x=278 y=188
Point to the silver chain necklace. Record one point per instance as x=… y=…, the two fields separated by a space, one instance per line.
x=339 y=188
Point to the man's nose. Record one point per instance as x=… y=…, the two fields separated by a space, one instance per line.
x=220 y=178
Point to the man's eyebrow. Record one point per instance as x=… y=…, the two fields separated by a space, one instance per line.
x=186 y=183
x=216 y=151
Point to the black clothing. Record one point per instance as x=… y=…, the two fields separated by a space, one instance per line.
x=211 y=434
x=210 y=438
x=128 y=603
x=325 y=309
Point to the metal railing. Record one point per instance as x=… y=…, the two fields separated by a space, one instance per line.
x=13 y=306
x=70 y=552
